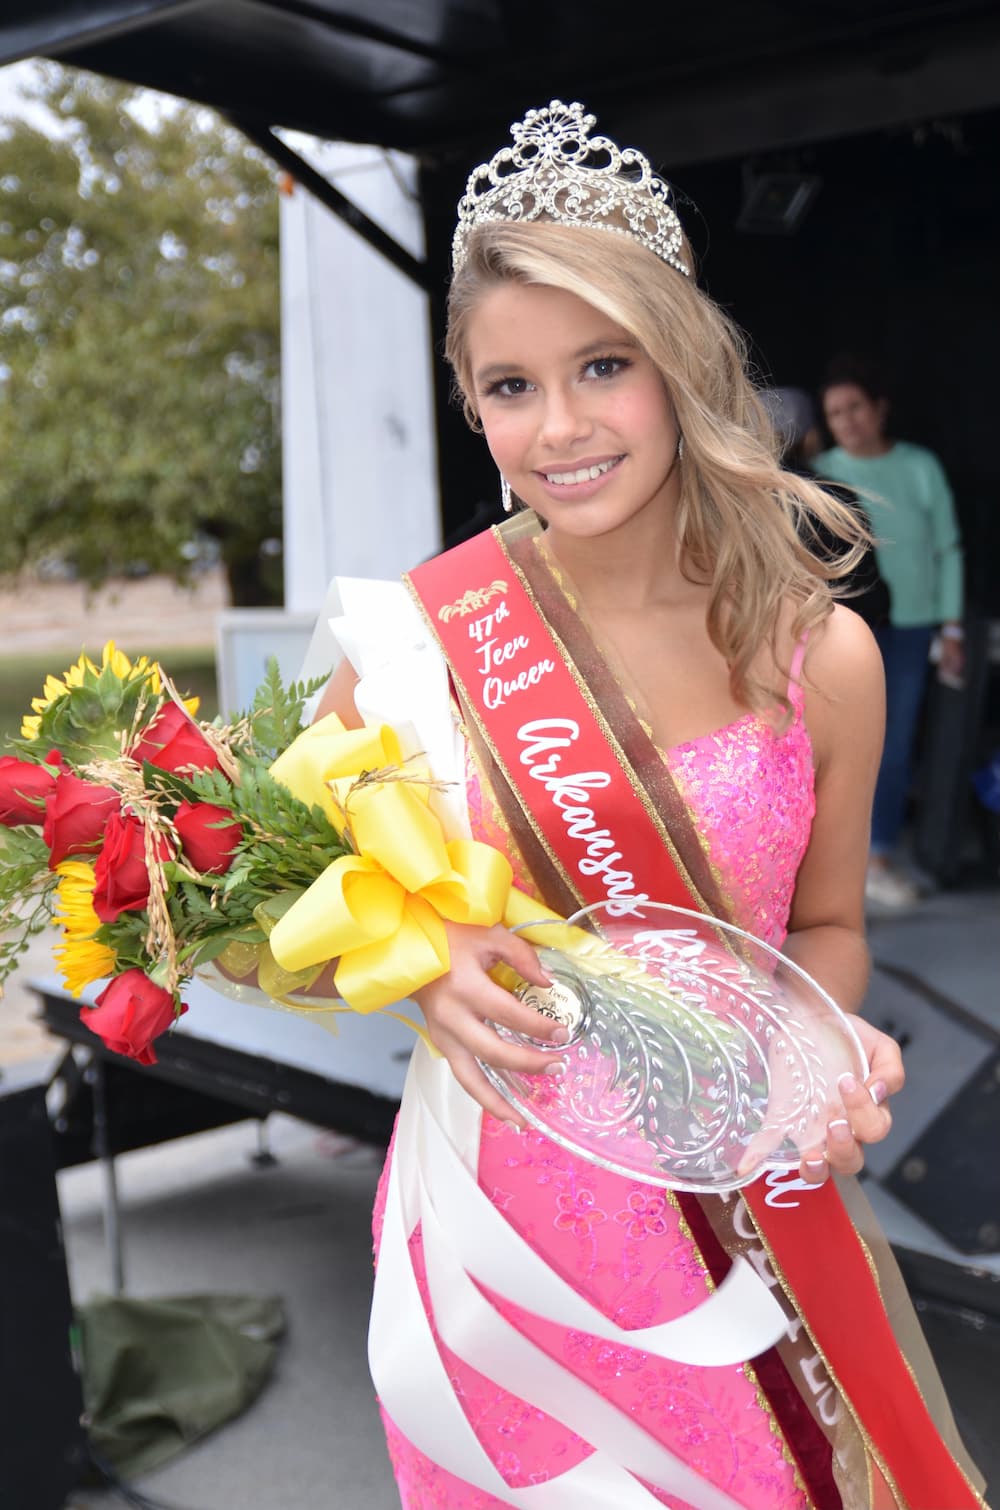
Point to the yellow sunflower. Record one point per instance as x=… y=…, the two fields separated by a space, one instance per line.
x=84 y=672
x=80 y=958
x=55 y=688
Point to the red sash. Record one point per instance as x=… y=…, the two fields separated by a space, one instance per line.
x=596 y=823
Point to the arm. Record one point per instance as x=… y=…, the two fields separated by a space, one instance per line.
x=845 y=715
x=947 y=546
x=947 y=543
x=458 y=1004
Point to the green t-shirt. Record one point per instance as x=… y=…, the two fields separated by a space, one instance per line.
x=909 y=502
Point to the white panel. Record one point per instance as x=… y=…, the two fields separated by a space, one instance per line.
x=360 y=464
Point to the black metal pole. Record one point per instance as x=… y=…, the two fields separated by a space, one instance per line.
x=267 y=140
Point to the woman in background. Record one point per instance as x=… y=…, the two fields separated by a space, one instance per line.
x=796 y=423
x=906 y=493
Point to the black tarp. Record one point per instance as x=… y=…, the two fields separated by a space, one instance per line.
x=431 y=76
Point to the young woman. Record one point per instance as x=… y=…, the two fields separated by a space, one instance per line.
x=545 y=1332
x=919 y=551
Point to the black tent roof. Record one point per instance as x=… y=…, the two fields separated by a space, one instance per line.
x=429 y=75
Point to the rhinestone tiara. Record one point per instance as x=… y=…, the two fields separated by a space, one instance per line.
x=556 y=169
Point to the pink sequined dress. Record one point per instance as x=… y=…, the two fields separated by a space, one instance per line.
x=622 y=1244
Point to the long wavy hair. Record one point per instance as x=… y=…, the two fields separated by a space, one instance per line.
x=744 y=525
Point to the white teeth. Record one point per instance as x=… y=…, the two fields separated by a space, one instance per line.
x=585 y=474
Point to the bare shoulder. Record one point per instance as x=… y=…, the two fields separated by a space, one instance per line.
x=842 y=656
x=844 y=683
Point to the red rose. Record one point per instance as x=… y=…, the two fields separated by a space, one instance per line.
x=131 y=1011
x=76 y=815
x=209 y=848
x=24 y=788
x=121 y=877
x=173 y=741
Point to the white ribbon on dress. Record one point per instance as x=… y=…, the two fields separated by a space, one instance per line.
x=432 y=1182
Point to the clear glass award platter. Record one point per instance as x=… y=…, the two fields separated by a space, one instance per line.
x=698 y=1055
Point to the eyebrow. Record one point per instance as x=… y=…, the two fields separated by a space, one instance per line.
x=600 y=347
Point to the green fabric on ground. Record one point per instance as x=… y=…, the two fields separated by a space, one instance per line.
x=159 y=1374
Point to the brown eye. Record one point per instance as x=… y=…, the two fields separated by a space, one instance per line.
x=510 y=387
x=605 y=367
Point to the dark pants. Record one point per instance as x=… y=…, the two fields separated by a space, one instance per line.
x=904 y=654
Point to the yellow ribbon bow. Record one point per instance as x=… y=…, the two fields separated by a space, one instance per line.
x=381 y=910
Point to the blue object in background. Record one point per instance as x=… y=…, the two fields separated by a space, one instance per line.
x=987 y=783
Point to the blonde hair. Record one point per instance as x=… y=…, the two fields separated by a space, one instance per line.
x=744 y=525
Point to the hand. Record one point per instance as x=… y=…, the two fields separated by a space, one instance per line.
x=866 y=1117
x=951 y=665
x=457 y=1007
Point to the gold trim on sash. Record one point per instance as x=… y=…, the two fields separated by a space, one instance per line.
x=654 y=772
x=870 y=1447
x=521 y=562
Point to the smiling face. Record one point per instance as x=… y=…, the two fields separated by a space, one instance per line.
x=576 y=416
x=855 y=420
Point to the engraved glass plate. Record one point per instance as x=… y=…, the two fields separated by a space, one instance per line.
x=698 y=1055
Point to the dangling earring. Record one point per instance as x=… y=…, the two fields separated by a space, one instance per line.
x=680 y=448
x=506 y=500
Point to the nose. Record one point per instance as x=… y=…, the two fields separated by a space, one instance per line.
x=564 y=418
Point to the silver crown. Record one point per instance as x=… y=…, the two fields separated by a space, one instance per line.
x=557 y=170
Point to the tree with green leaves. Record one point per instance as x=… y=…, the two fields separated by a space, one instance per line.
x=139 y=363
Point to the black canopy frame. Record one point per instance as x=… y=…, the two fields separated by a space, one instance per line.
x=442 y=78
x=434 y=77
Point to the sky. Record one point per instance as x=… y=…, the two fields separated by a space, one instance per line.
x=11 y=78
x=146 y=106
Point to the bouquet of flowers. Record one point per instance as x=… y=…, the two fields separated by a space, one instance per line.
x=151 y=840
x=303 y=859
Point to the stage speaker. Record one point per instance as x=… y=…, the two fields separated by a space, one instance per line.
x=42 y=1440
x=959 y=1310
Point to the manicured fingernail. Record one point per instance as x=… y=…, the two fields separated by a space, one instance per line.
x=847 y=1085
x=815 y=1164
x=557 y=1067
x=515 y=1127
x=840 y=1131
x=561 y=1035
x=878 y=1092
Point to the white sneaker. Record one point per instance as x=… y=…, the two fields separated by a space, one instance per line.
x=887 y=888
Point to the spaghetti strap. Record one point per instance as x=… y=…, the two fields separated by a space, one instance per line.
x=796 y=695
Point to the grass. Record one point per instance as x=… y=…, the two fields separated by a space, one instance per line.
x=191 y=669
